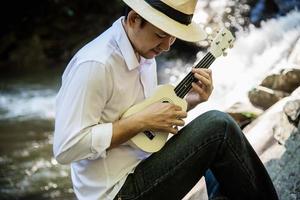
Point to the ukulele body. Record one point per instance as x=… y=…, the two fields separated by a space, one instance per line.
x=163 y=93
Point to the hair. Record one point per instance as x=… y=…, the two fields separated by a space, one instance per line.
x=127 y=9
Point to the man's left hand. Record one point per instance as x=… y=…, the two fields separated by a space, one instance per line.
x=201 y=89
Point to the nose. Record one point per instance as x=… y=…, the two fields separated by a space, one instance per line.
x=167 y=43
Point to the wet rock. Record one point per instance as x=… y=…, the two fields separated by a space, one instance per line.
x=273 y=126
x=283 y=128
x=287 y=81
x=292 y=111
x=264 y=97
x=283 y=164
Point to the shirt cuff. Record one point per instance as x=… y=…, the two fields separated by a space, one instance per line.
x=101 y=139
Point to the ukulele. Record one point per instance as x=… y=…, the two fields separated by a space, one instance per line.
x=149 y=141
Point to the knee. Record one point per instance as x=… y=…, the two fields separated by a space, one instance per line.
x=217 y=118
x=230 y=127
x=219 y=121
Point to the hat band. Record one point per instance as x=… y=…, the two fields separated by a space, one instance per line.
x=171 y=12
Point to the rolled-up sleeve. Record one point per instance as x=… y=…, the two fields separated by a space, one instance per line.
x=79 y=133
x=98 y=143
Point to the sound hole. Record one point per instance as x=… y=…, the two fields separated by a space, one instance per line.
x=149 y=134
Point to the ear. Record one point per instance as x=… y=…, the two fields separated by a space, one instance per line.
x=133 y=18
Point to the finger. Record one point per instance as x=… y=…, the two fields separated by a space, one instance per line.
x=204 y=80
x=198 y=89
x=204 y=72
x=177 y=108
x=179 y=122
x=181 y=114
x=201 y=70
x=204 y=77
x=173 y=130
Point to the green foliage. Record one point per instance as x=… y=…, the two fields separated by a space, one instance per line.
x=249 y=115
x=59 y=28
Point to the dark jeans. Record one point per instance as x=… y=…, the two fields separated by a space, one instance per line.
x=212 y=185
x=211 y=141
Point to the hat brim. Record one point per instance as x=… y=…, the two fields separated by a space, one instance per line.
x=191 y=33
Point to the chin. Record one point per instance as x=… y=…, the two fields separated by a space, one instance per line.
x=149 y=56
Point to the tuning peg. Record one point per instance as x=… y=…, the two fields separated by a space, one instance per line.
x=224 y=53
x=230 y=46
x=210 y=38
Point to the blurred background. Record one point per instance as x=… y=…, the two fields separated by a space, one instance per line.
x=38 y=38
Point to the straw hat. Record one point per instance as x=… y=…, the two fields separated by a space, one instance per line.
x=172 y=16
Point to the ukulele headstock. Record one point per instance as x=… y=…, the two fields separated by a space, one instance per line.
x=221 y=42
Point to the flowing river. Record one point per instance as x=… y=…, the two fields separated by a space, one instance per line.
x=27 y=167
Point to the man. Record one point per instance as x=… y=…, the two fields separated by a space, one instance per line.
x=118 y=70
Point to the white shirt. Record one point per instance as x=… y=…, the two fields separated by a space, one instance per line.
x=101 y=82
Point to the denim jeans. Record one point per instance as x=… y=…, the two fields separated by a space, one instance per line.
x=211 y=141
x=212 y=185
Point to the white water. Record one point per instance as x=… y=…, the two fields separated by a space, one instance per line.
x=28 y=103
x=256 y=53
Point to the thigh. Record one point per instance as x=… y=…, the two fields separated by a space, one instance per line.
x=178 y=166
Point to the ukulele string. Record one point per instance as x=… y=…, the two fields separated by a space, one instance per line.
x=187 y=89
x=184 y=83
x=184 y=86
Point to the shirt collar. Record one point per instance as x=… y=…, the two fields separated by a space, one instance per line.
x=125 y=45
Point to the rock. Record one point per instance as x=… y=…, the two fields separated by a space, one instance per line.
x=272 y=126
x=292 y=111
x=264 y=97
x=287 y=81
x=283 y=128
x=283 y=164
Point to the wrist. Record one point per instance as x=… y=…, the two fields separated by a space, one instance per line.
x=139 y=122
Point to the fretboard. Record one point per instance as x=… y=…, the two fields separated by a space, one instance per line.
x=186 y=84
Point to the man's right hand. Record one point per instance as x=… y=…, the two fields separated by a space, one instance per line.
x=162 y=117
x=158 y=117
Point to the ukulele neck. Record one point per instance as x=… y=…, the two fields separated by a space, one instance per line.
x=186 y=84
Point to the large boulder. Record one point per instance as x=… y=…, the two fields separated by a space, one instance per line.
x=287 y=81
x=264 y=97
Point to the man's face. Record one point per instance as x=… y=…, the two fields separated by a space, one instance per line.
x=148 y=40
